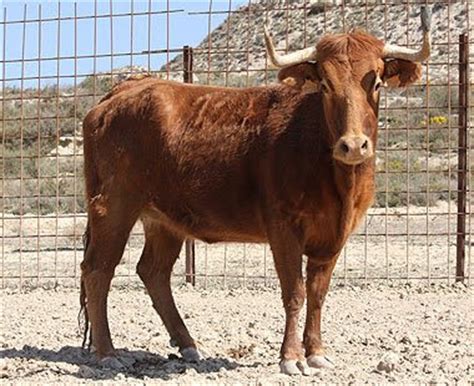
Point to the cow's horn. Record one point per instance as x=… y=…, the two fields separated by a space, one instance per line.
x=278 y=60
x=393 y=51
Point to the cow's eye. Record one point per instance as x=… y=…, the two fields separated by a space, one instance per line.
x=324 y=87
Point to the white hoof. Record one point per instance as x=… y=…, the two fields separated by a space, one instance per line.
x=294 y=367
x=112 y=363
x=320 y=362
x=190 y=354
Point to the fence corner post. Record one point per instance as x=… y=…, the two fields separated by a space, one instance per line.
x=462 y=156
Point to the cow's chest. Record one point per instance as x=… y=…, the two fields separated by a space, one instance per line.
x=328 y=225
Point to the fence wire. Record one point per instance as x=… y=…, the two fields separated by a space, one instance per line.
x=58 y=59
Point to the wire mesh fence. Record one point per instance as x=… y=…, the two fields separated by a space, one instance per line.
x=59 y=59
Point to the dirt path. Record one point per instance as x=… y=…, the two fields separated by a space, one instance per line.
x=376 y=334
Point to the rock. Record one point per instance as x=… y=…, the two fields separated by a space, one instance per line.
x=192 y=372
x=112 y=363
x=388 y=363
x=128 y=360
x=437 y=381
x=120 y=377
x=401 y=101
x=406 y=340
x=87 y=372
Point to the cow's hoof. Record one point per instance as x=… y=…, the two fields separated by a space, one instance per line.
x=112 y=363
x=294 y=367
x=190 y=354
x=320 y=362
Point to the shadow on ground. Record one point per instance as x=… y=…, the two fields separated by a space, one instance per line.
x=136 y=364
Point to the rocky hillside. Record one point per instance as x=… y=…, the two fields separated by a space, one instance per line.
x=237 y=44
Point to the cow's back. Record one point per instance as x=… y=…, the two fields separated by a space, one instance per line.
x=197 y=155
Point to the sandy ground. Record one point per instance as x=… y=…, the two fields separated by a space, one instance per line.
x=376 y=334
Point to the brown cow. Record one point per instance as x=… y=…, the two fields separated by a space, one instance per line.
x=264 y=164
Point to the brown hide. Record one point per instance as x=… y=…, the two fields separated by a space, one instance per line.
x=219 y=164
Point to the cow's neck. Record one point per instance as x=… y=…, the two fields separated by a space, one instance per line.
x=355 y=187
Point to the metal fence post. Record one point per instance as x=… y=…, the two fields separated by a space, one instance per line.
x=462 y=156
x=190 y=268
x=187 y=64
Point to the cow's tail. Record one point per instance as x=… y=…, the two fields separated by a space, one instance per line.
x=83 y=315
x=93 y=120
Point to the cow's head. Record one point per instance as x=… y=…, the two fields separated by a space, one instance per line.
x=349 y=70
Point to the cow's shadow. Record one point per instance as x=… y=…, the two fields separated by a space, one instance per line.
x=137 y=364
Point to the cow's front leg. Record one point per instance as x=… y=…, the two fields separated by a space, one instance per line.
x=319 y=274
x=287 y=254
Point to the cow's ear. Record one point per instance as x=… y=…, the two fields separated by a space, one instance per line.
x=306 y=85
x=401 y=73
x=302 y=77
x=310 y=86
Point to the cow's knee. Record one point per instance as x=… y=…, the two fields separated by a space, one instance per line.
x=293 y=302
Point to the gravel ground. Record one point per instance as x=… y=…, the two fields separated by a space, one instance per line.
x=379 y=333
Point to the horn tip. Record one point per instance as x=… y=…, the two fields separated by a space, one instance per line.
x=425 y=16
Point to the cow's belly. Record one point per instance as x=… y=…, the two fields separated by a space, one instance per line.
x=211 y=225
x=212 y=204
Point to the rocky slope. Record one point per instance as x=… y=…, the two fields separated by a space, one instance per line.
x=237 y=44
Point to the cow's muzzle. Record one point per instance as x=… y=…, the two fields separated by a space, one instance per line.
x=353 y=149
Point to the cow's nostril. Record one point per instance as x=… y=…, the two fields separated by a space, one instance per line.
x=345 y=148
x=365 y=145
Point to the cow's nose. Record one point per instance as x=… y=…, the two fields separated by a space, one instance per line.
x=354 y=145
x=353 y=149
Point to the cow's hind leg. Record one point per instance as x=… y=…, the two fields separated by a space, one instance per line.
x=162 y=248
x=109 y=224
